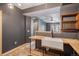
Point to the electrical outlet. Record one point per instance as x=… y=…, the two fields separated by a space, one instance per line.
x=15 y=42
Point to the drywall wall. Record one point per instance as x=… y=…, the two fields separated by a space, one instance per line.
x=13 y=27
x=70 y=8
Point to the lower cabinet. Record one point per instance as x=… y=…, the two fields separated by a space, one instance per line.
x=69 y=51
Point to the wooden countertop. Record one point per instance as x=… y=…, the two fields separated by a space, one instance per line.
x=74 y=43
x=40 y=38
x=36 y=37
x=44 y=31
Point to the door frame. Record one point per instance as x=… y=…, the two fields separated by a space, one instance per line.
x=0 y=32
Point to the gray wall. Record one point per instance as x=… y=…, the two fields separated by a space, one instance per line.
x=13 y=27
x=70 y=8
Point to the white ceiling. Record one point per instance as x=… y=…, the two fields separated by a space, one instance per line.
x=27 y=5
x=45 y=12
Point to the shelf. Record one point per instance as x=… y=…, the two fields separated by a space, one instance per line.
x=68 y=15
x=69 y=21
x=70 y=30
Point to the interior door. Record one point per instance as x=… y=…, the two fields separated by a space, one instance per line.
x=0 y=32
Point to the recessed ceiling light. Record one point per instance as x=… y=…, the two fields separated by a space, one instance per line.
x=11 y=6
x=19 y=4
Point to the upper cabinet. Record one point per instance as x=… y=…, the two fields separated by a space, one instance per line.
x=70 y=22
x=70 y=18
x=77 y=23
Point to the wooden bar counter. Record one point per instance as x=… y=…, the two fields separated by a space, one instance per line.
x=74 y=43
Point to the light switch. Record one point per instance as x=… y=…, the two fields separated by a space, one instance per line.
x=15 y=42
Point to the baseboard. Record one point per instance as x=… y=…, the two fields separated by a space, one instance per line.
x=13 y=49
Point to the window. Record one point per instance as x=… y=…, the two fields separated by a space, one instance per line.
x=55 y=27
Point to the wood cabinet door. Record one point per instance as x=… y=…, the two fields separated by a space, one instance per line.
x=0 y=32
x=77 y=23
x=77 y=17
